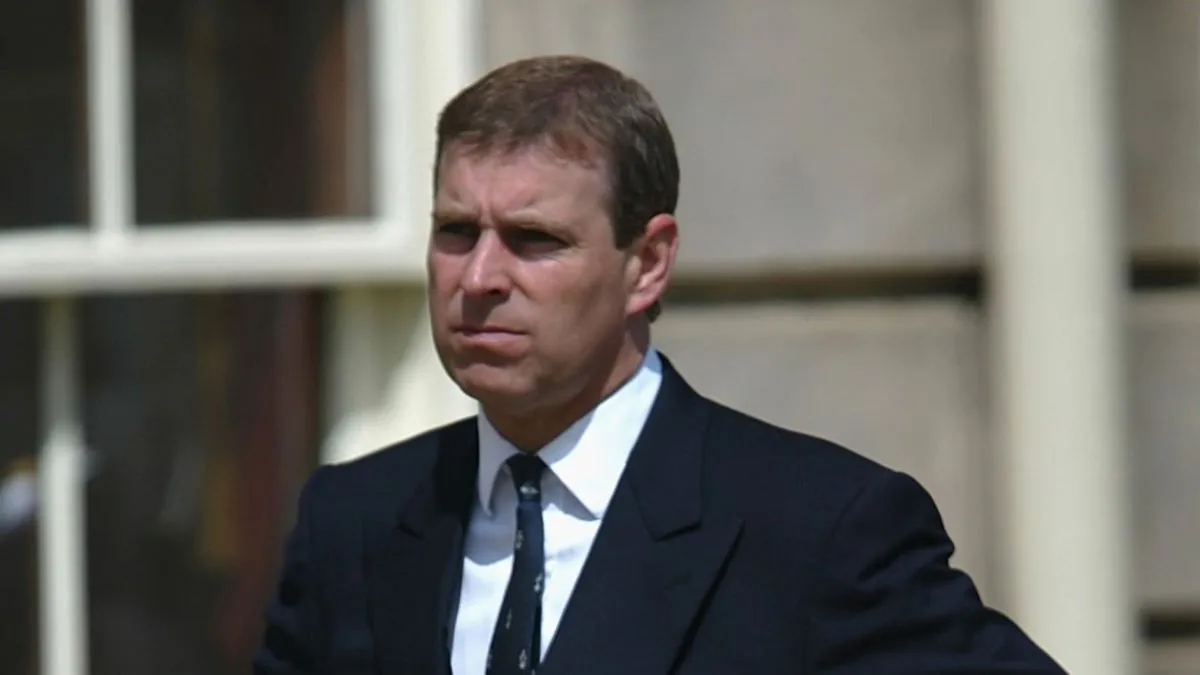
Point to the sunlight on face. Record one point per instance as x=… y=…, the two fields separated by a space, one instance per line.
x=527 y=289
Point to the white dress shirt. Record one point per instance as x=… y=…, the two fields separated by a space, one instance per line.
x=585 y=463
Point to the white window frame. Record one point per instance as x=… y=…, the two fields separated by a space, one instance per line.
x=421 y=51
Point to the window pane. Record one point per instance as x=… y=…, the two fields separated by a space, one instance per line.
x=249 y=110
x=201 y=414
x=19 y=356
x=43 y=124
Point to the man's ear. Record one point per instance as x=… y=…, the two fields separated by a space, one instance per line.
x=651 y=260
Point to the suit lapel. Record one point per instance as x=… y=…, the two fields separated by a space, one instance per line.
x=656 y=557
x=414 y=569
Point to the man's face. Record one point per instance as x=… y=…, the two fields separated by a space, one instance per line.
x=529 y=296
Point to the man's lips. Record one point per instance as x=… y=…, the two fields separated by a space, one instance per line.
x=487 y=343
x=486 y=330
x=491 y=338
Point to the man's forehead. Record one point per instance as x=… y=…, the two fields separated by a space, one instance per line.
x=468 y=189
x=564 y=148
x=515 y=180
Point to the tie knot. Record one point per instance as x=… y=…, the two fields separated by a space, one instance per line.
x=527 y=475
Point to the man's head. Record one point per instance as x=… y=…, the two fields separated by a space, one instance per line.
x=553 y=236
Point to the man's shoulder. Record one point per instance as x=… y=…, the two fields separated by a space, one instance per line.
x=797 y=489
x=768 y=444
x=784 y=466
x=741 y=443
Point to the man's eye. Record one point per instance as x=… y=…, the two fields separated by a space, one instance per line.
x=539 y=238
x=455 y=237
x=458 y=229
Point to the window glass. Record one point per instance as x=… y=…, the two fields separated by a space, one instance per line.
x=19 y=442
x=201 y=416
x=43 y=120
x=249 y=110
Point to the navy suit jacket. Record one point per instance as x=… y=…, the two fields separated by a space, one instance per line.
x=730 y=546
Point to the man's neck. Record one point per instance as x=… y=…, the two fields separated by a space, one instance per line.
x=532 y=430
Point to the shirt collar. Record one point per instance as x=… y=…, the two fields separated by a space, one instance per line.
x=589 y=457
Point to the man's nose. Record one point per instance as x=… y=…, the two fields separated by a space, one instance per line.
x=487 y=270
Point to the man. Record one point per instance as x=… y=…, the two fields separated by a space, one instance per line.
x=599 y=516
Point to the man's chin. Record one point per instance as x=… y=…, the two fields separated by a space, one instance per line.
x=492 y=385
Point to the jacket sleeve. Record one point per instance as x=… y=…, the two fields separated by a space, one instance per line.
x=292 y=636
x=889 y=602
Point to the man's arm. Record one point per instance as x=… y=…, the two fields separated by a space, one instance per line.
x=890 y=603
x=291 y=640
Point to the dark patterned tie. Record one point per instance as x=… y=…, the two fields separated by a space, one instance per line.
x=516 y=641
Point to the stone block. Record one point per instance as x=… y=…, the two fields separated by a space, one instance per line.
x=1164 y=448
x=811 y=133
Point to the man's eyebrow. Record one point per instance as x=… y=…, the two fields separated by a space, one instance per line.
x=520 y=218
x=529 y=218
x=444 y=214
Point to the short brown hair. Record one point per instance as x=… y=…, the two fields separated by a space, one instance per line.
x=585 y=110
